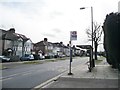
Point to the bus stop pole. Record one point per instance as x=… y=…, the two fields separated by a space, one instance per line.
x=70 y=73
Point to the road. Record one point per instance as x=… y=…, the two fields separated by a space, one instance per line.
x=31 y=75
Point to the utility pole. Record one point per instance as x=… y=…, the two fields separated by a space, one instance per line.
x=93 y=61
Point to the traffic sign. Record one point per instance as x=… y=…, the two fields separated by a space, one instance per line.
x=73 y=35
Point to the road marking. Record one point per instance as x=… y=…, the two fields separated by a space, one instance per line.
x=49 y=81
x=16 y=74
x=9 y=76
x=26 y=74
x=5 y=79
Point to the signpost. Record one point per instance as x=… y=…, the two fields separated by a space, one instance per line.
x=73 y=36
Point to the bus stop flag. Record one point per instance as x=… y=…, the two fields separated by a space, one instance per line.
x=73 y=35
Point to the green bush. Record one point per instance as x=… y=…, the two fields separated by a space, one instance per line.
x=111 y=29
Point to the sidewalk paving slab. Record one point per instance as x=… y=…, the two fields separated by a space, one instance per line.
x=98 y=78
x=102 y=76
x=84 y=83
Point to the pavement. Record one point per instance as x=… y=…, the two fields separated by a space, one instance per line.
x=103 y=76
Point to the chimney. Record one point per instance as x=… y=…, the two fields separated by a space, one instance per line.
x=73 y=46
x=12 y=30
x=68 y=45
x=61 y=43
x=45 y=39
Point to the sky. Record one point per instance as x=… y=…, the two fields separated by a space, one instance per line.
x=54 y=19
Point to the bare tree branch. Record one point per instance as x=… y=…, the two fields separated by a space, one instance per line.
x=89 y=33
x=97 y=32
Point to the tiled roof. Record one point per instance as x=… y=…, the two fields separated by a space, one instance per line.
x=44 y=43
x=14 y=36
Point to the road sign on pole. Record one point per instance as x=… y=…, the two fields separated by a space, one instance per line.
x=73 y=35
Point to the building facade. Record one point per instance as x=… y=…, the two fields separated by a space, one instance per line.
x=14 y=44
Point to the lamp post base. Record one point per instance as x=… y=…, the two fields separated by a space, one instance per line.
x=70 y=73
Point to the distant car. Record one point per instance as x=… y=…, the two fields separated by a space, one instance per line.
x=41 y=57
x=56 y=56
x=61 y=55
x=4 y=59
x=27 y=57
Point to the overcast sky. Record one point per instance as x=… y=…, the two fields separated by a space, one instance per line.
x=53 y=19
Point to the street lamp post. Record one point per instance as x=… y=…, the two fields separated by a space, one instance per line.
x=93 y=62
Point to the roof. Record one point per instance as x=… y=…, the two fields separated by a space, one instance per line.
x=84 y=46
x=14 y=36
x=58 y=44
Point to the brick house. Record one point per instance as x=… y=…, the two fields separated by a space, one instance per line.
x=43 y=46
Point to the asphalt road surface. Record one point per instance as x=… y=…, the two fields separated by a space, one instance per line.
x=31 y=75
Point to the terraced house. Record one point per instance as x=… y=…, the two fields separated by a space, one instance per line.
x=50 y=49
x=44 y=47
x=15 y=45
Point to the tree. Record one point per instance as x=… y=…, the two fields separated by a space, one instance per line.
x=97 y=32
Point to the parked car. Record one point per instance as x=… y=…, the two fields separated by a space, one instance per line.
x=56 y=56
x=4 y=59
x=41 y=56
x=27 y=57
x=49 y=56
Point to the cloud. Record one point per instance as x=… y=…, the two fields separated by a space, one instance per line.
x=28 y=8
x=56 y=30
x=55 y=14
x=17 y=0
x=53 y=18
x=48 y=35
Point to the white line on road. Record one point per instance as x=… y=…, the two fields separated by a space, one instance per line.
x=17 y=74
x=49 y=81
x=5 y=79
x=26 y=74
x=9 y=76
x=45 y=84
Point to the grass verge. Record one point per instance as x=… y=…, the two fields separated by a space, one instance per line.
x=2 y=67
x=32 y=62
x=98 y=61
x=60 y=58
x=46 y=60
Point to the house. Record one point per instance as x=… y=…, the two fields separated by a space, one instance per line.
x=50 y=49
x=14 y=44
x=67 y=50
x=1 y=41
x=28 y=47
x=45 y=47
x=60 y=48
x=76 y=51
x=56 y=48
